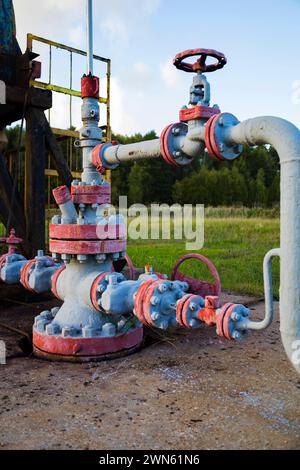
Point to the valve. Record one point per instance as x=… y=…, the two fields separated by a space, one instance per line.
x=200 y=64
x=200 y=89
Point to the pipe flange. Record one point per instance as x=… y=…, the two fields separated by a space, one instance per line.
x=151 y=305
x=98 y=287
x=138 y=301
x=179 y=306
x=98 y=158
x=197 y=112
x=25 y=273
x=215 y=141
x=187 y=311
x=81 y=349
x=170 y=145
x=54 y=281
x=227 y=321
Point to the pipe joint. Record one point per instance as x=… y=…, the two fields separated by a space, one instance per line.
x=171 y=145
x=217 y=145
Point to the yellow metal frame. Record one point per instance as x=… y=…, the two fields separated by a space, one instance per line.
x=71 y=92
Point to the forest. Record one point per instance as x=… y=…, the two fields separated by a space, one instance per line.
x=250 y=181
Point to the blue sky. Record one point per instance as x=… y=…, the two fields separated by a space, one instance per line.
x=259 y=38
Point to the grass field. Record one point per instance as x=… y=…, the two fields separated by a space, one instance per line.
x=235 y=245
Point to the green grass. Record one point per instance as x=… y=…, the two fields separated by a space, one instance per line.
x=236 y=246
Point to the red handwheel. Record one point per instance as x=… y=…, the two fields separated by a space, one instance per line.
x=200 y=65
x=197 y=286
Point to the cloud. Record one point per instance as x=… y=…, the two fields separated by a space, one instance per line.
x=122 y=17
x=76 y=35
x=118 y=21
x=122 y=119
x=49 y=18
x=170 y=75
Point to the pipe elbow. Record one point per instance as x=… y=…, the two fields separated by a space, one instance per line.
x=280 y=133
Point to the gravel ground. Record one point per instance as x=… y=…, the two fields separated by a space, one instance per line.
x=189 y=390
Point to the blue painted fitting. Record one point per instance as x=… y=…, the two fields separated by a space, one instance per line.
x=215 y=137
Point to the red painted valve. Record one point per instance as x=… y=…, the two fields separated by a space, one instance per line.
x=200 y=64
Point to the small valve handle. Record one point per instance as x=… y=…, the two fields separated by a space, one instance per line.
x=200 y=64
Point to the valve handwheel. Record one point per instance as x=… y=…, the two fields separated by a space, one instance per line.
x=200 y=64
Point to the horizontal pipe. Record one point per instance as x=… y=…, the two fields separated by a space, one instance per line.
x=132 y=152
x=285 y=138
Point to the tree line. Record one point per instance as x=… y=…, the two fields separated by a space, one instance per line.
x=252 y=180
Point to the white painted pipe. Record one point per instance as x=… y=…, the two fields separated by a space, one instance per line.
x=191 y=144
x=285 y=138
x=90 y=53
x=247 y=324
x=132 y=152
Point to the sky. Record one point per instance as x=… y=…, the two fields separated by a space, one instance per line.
x=260 y=39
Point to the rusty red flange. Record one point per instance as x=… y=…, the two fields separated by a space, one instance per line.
x=148 y=293
x=197 y=112
x=220 y=318
x=91 y=194
x=85 y=349
x=210 y=140
x=93 y=293
x=87 y=232
x=139 y=299
x=184 y=311
x=164 y=149
x=180 y=305
x=97 y=157
x=55 y=279
x=86 y=247
x=24 y=274
x=61 y=195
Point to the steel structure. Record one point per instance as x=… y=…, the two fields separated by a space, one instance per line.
x=103 y=312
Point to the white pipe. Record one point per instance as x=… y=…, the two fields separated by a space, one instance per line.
x=285 y=138
x=247 y=324
x=131 y=152
x=191 y=144
x=90 y=54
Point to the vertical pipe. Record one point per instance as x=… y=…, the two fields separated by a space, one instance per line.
x=285 y=138
x=71 y=85
x=90 y=68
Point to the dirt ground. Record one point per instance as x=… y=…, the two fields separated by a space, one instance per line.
x=190 y=390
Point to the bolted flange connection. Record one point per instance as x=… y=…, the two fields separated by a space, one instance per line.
x=170 y=140
x=228 y=318
x=155 y=302
x=215 y=137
